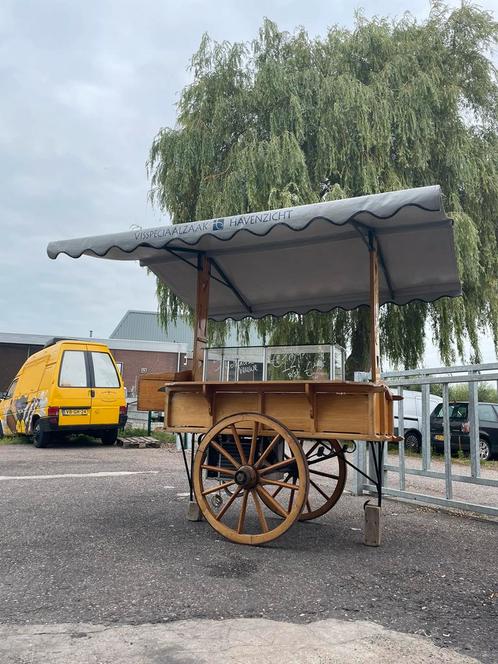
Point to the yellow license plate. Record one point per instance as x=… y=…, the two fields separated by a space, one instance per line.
x=75 y=411
x=439 y=437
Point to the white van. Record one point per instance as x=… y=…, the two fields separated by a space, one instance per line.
x=412 y=417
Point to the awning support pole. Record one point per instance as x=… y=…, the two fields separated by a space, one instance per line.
x=374 y=308
x=201 y=316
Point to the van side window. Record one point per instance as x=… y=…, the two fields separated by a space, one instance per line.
x=73 y=369
x=104 y=371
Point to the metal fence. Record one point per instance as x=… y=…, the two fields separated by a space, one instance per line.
x=424 y=378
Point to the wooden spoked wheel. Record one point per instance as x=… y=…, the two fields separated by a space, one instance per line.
x=238 y=458
x=327 y=472
x=327 y=477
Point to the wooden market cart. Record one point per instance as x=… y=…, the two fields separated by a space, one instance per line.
x=269 y=453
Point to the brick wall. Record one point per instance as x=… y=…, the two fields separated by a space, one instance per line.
x=12 y=357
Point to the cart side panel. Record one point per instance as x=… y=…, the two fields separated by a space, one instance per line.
x=236 y=402
x=348 y=413
x=149 y=396
x=293 y=410
x=188 y=409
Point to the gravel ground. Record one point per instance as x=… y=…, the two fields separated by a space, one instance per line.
x=117 y=550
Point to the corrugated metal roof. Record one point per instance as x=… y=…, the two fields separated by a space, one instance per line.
x=113 y=344
x=146 y=325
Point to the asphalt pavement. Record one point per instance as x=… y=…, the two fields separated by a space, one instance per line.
x=92 y=535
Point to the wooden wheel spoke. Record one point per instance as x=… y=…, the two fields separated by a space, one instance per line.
x=319 y=489
x=282 y=485
x=238 y=444
x=242 y=515
x=308 y=506
x=226 y=454
x=218 y=487
x=318 y=472
x=276 y=466
x=275 y=506
x=259 y=510
x=228 y=504
x=267 y=451
x=291 y=497
x=312 y=462
x=254 y=439
x=218 y=469
x=310 y=452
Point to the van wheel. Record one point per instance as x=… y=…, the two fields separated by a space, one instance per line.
x=412 y=441
x=40 y=438
x=109 y=436
x=1 y=430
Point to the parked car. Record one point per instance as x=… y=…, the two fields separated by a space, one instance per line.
x=460 y=428
x=67 y=387
x=412 y=417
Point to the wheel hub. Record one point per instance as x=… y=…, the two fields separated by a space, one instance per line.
x=246 y=477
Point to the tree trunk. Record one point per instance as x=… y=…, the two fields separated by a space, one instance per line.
x=359 y=359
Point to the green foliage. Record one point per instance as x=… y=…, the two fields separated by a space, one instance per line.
x=288 y=120
x=460 y=392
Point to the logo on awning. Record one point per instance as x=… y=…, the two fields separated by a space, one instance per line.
x=218 y=224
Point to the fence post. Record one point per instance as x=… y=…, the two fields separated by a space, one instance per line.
x=401 y=432
x=359 y=460
x=426 y=427
x=447 y=442
x=475 y=459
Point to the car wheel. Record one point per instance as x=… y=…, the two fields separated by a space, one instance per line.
x=484 y=449
x=40 y=438
x=412 y=441
x=109 y=437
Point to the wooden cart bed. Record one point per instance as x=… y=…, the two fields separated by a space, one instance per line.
x=310 y=409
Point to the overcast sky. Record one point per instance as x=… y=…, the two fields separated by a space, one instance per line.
x=85 y=86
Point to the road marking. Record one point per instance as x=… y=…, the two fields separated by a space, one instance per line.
x=117 y=473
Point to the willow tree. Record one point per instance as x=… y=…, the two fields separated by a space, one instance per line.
x=288 y=120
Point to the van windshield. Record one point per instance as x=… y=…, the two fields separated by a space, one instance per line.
x=458 y=411
x=104 y=370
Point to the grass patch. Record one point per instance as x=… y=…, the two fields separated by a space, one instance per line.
x=459 y=458
x=15 y=440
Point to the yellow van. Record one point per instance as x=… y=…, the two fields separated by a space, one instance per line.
x=67 y=387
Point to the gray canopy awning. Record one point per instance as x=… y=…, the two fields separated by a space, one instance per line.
x=300 y=259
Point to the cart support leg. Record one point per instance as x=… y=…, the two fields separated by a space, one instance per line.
x=193 y=511
x=372 y=534
x=372 y=525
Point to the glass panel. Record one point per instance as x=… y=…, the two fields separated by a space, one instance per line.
x=73 y=369
x=11 y=389
x=299 y=363
x=104 y=371
x=310 y=362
